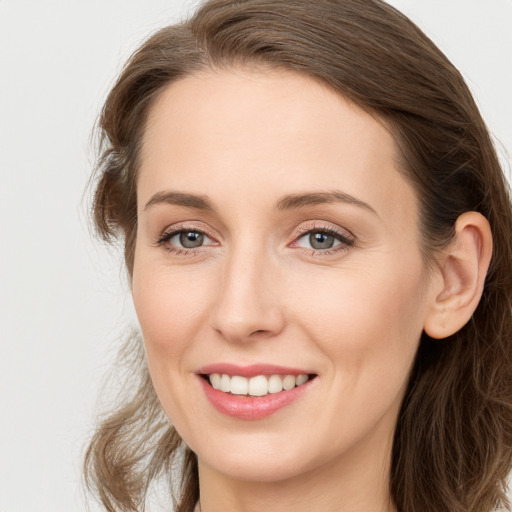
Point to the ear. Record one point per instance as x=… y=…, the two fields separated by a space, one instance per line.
x=459 y=283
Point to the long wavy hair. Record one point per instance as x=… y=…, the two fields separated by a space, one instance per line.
x=453 y=443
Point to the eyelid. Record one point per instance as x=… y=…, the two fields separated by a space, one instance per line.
x=343 y=235
x=179 y=227
x=346 y=238
x=316 y=225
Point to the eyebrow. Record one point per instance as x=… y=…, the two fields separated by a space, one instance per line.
x=293 y=201
x=288 y=202
x=180 y=199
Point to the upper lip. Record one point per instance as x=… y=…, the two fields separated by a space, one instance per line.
x=250 y=370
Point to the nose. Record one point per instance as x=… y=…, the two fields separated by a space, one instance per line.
x=248 y=303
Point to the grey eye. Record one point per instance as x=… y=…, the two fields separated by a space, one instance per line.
x=188 y=239
x=321 y=240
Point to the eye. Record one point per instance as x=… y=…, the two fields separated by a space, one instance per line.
x=319 y=240
x=323 y=240
x=184 y=239
x=188 y=239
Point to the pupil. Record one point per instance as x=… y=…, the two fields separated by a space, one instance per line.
x=191 y=239
x=321 y=240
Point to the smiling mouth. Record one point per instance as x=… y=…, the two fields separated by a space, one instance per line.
x=259 y=385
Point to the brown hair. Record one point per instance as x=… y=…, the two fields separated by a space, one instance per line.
x=453 y=443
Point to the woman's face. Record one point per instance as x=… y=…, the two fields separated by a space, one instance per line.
x=276 y=237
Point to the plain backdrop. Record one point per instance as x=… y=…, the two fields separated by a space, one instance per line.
x=63 y=296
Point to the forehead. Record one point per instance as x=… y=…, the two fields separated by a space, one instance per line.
x=267 y=131
x=265 y=103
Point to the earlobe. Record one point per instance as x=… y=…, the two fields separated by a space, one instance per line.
x=462 y=269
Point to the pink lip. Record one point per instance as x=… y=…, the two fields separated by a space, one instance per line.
x=252 y=408
x=251 y=370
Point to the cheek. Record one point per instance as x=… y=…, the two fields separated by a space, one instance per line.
x=169 y=307
x=369 y=329
x=368 y=323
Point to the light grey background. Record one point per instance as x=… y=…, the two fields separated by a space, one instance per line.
x=63 y=297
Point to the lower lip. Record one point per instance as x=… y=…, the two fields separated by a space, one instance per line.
x=248 y=407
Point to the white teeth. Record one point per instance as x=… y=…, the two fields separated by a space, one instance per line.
x=260 y=385
x=225 y=383
x=289 y=382
x=301 y=379
x=239 y=385
x=275 y=384
x=215 y=380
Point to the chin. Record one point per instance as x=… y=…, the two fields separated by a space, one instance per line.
x=264 y=467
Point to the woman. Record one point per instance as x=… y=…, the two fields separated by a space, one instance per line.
x=317 y=233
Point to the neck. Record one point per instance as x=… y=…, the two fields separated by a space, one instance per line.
x=356 y=482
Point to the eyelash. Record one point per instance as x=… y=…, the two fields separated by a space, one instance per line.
x=166 y=236
x=345 y=242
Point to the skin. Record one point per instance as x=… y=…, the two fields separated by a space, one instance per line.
x=257 y=292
